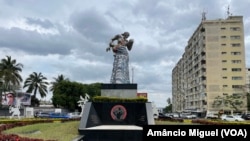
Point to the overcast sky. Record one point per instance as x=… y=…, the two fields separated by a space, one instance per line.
x=69 y=37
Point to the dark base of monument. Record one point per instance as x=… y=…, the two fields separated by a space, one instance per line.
x=115 y=121
x=112 y=135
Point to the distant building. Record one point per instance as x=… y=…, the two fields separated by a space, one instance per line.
x=145 y=95
x=212 y=65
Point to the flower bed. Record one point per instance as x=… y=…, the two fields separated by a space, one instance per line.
x=217 y=122
x=171 y=119
x=8 y=124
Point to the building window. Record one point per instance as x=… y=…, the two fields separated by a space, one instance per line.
x=224 y=77
x=223 y=28
x=234 y=37
x=235 y=45
x=236 y=61
x=237 y=94
x=236 y=69
x=224 y=61
x=224 y=69
x=236 y=86
x=235 y=53
x=223 y=44
x=223 y=52
x=223 y=37
x=235 y=28
x=224 y=86
x=237 y=78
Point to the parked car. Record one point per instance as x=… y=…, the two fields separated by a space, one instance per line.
x=161 y=116
x=58 y=115
x=174 y=115
x=212 y=116
x=231 y=118
x=192 y=116
x=238 y=118
x=42 y=115
x=74 y=115
x=246 y=116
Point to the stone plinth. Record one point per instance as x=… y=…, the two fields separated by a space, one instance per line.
x=115 y=121
x=100 y=121
x=119 y=90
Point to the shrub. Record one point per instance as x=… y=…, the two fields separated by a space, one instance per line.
x=13 y=137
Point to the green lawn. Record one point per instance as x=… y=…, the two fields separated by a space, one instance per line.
x=64 y=131
x=186 y=122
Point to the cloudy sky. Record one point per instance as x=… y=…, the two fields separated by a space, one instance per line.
x=69 y=37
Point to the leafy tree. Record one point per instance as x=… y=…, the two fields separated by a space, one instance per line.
x=94 y=89
x=248 y=101
x=57 y=80
x=229 y=101
x=169 y=101
x=66 y=94
x=168 y=108
x=36 y=82
x=9 y=73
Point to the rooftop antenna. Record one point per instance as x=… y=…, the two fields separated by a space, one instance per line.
x=203 y=15
x=228 y=11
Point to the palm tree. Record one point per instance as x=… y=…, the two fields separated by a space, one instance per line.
x=36 y=82
x=59 y=79
x=9 y=73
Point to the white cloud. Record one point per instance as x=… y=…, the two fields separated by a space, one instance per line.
x=70 y=37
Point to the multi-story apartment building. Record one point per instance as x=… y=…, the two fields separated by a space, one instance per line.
x=212 y=68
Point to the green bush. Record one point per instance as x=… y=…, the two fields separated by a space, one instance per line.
x=115 y=99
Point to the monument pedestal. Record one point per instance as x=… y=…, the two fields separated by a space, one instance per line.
x=112 y=121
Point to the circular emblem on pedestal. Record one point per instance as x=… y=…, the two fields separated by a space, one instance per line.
x=118 y=113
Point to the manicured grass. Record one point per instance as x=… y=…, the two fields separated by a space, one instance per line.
x=61 y=131
x=185 y=122
x=65 y=131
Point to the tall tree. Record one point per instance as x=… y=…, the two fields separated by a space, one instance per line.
x=9 y=73
x=168 y=108
x=67 y=94
x=57 y=80
x=229 y=102
x=36 y=82
x=248 y=101
x=169 y=101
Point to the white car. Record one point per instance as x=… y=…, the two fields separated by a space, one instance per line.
x=74 y=115
x=191 y=116
x=239 y=118
x=212 y=116
x=231 y=118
